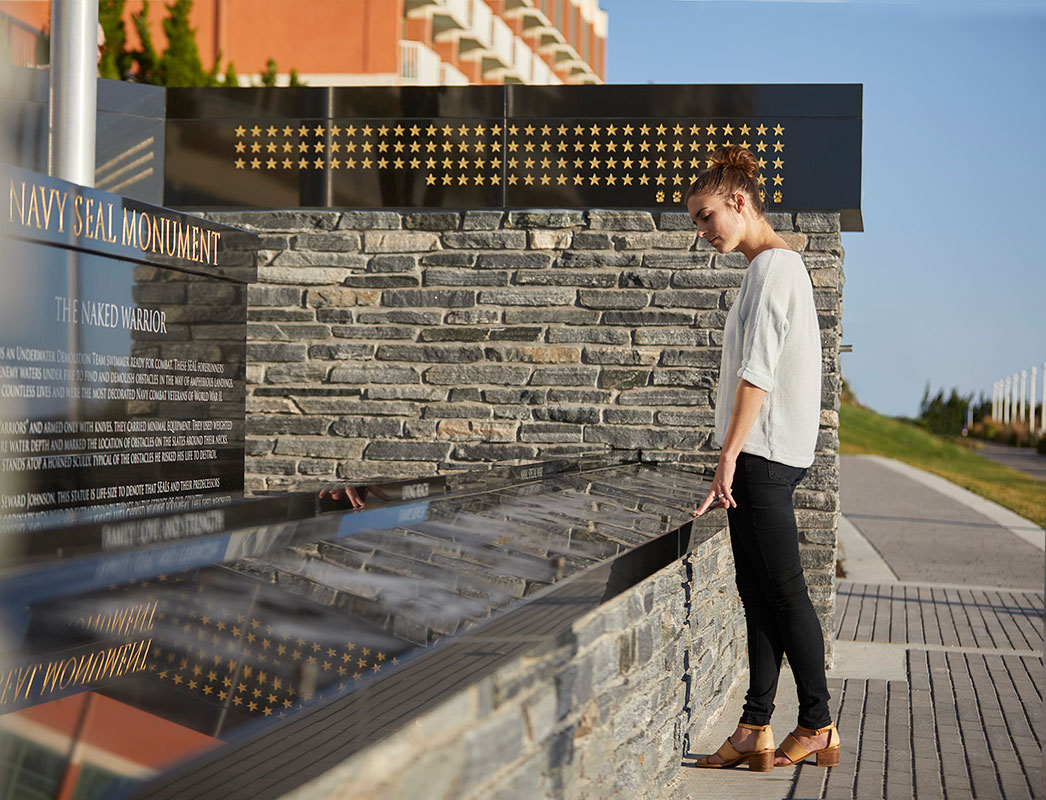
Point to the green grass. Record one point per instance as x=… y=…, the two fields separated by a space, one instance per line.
x=861 y=430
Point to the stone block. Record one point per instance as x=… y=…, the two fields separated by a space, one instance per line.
x=600 y=220
x=673 y=261
x=400 y=242
x=675 y=221
x=296 y=373
x=485 y=240
x=482 y=220
x=317 y=447
x=628 y=416
x=420 y=298
x=422 y=353
x=340 y=351
x=387 y=281
x=492 y=452
x=512 y=396
x=373 y=374
x=486 y=745
x=686 y=298
x=644 y=279
x=574 y=259
x=659 y=240
x=624 y=378
x=264 y=424
x=564 y=316
x=545 y=296
x=733 y=260
x=817 y=223
x=436 y=276
x=544 y=219
x=687 y=337
x=398 y=317
x=780 y=221
x=514 y=260
x=627 y=299
x=275 y=351
x=549 y=432
x=302 y=276
x=564 y=376
x=454 y=335
x=585 y=278
x=420 y=393
x=262 y=295
x=664 y=397
x=448 y=259
x=278 y=220
x=591 y=240
x=406 y=451
x=334 y=242
x=373 y=332
x=638 y=319
x=619 y=356
x=549 y=240
x=432 y=220
x=537 y=354
x=691 y=358
x=697 y=418
x=590 y=335
x=476 y=316
x=369 y=220
x=645 y=437
x=309 y=258
x=520 y=334
x=396 y=263
x=458 y=375
x=341 y=298
x=579 y=415
x=708 y=279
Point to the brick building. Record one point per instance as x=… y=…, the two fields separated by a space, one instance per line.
x=388 y=42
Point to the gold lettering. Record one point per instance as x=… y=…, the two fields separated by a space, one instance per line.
x=67 y=676
x=182 y=232
x=89 y=230
x=130 y=232
x=7 y=685
x=99 y=226
x=25 y=679
x=157 y=235
x=152 y=611
x=217 y=238
x=194 y=253
x=17 y=198
x=46 y=201
x=33 y=209
x=84 y=667
x=50 y=676
x=205 y=247
x=62 y=197
x=78 y=223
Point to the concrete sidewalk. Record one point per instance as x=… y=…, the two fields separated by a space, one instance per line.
x=937 y=686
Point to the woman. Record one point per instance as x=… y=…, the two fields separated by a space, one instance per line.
x=767 y=417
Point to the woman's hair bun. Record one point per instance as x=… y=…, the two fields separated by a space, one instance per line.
x=739 y=158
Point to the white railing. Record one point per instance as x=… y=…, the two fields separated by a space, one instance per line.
x=503 y=41
x=523 y=60
x=459 y=10
x=452 y=76
x=419 y=64
x=1009 y=395
x=481 y=22
x=542 y=74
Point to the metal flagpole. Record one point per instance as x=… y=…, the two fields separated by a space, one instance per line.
x=74 y=82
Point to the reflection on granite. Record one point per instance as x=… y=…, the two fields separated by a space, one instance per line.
x=202 y=640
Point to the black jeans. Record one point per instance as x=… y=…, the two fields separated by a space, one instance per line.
x=778 y=612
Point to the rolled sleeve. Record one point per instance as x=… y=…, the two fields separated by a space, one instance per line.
x=766 y=314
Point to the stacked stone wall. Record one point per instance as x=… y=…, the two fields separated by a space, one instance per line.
x=601 y=711
x=392 y=345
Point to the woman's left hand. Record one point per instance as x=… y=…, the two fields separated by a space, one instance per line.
x=720 y=496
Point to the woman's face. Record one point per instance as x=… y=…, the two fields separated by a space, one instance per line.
x=717 y=219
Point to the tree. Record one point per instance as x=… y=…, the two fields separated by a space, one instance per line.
x=116 y=61
x=146 y=58
x=180 y=64
x=944 y=415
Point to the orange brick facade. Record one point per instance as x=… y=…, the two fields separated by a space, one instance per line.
x=338 y=42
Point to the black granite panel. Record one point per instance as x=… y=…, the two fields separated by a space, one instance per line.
x=196 y=638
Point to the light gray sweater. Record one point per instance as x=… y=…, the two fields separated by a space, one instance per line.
x=772 y=340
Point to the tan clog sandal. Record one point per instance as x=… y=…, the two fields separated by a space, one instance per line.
x=761 y=759
x=827 y=756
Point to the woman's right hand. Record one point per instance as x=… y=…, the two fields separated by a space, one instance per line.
x=720 y=495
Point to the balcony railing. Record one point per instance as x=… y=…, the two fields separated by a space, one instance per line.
x=419 y=65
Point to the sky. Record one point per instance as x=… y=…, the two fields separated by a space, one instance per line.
x=947 y=283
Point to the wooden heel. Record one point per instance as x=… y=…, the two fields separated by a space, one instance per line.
x=829 y=757
x=761 y=762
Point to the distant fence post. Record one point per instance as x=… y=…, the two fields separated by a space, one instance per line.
x=1031 y=402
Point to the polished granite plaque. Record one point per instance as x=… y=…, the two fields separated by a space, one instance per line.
x=509 y=146
x=122 y=353
x=316 y=632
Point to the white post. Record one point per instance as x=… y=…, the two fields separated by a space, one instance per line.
x=1013 y=412
x=1006 y=404
x=1043 y=415
x=995 y=394
x=1031 y=402
x=74 y=90
x=1024 y=393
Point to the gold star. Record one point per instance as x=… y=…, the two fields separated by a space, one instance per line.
x=318 y=163
x=495 y=131
x=778 y=147
x=383 y=146
x=594 y=180
x=415 y=147
x=545 y=147
x=303 y=147
x=627 y=130
x=561 y=180
x=579 y=179
x=643 y=180
x=644 y=145
x=270 y=164
x=383 y=130
x=398 y=146
x=240 y=147
x=528 y=179
x=529 y=130
x=367 y=130
x=545 y=180
x=382 y=163
x=728 y=130
x=350 y=163
x=513 y=147
x=255 y=147
x=255 y=164
x=778 y=180
x=762 y=163
x=398 y=130
x=660 y=147
x=627 y=147
x=745 y=130
x=239 y=163
x=512 y=180
x=366 y=163
x=415 y=130
x=415 y=163
x=528 y=146
x=529 y=163
x=431 y=130
x=288 y=147
x=318 y=147
x=270 y=131
x=255 y=131
x=778 y=163
x=711 y=130
x=430 y=180
x=644 y=130
x=611 y=180
x=760 y=179
x=760 y=147
x=627 y=163
x=562 y=130
x=778 y=130
x=335 y=163
x=695 y=130
x=594 y=163
x=677 y=179
x=240 y=130
x=545 y=130
x=480 y=130
x=627 y=180
x=463 y=180
x=398 y=163
x=448 y=164
x=495 y=180
x=430 y=163
x=463 y=146
x=447 y=180
x=677 y=146
x=478 y=180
